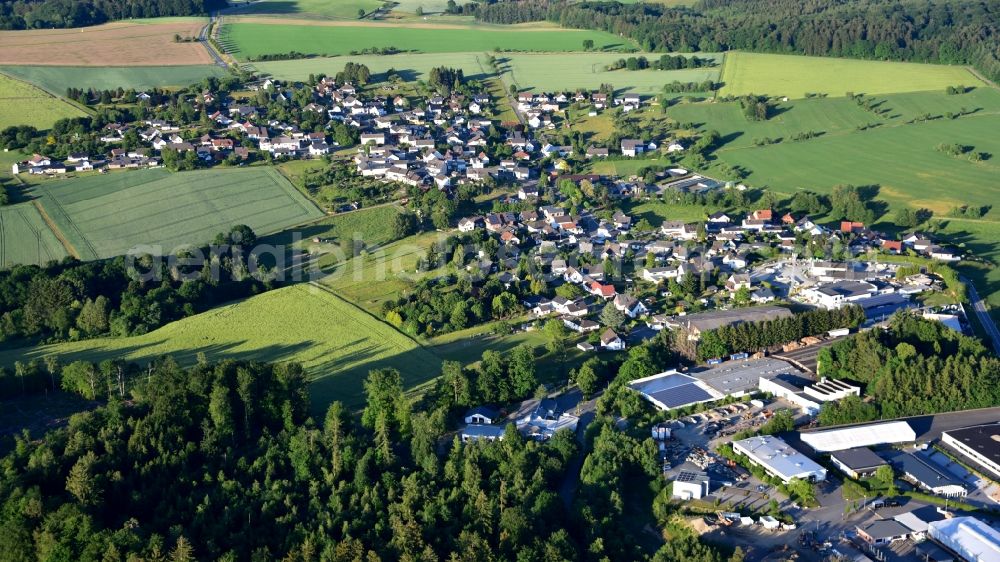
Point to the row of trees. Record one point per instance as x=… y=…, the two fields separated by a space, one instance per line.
x=756 y=336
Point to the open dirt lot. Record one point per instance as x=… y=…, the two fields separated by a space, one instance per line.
x=113 y=44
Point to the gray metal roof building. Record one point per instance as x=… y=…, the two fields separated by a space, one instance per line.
x=779 y=459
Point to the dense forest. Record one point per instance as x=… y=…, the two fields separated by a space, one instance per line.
x=221 y=462
x=913 y=367
x=957 y=32
x=43 y=14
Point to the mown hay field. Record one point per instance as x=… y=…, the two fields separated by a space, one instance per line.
x=25 y=238
x=106 y=215
x=24 y=104
x=568 y=71
x=336 y=342
x=251 y=40
x=794 y=76
x=125 y=43
x=311 y=9
x=56 y=79
x=416 y=66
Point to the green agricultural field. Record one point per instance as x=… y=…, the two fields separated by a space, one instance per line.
x=902 y=159
x=569 y=71
x=795 y=76
x=106 y=215
x=428 y=6
x=23 y=104
x=26 y=238
x=415 y=66
x=309 y=9
x=56 y=79
x=334 y=340
x=251 y=40
x=339 y=232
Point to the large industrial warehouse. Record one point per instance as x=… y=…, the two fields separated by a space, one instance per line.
x=859 y=436
x=980 y=444
x=779 y=459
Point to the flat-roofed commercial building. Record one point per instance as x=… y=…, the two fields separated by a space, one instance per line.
x=859 y=436
x=670 y=390
x=968 y=538
x=857 y=463
x=980 y=444
x=779 y=459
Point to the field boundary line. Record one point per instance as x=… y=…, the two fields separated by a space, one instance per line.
x=722 y=74
x=55 y=230
x=371 y=316
x=71 y=223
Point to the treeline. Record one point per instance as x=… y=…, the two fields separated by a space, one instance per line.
x=915 y=367
x=72 y=300
x=683 y=87
x=44 y=14
x=961 y=32
x=665 y=62
x=757 y=336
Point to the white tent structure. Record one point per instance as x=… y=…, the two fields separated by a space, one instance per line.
x=968 y=537
x=859 y=436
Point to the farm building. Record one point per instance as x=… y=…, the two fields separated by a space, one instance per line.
x=857 y=463
x=859 y=436
x=691 y=485
x=969 y=538
x=779 y=459
x=979 y=444
x=670 y=390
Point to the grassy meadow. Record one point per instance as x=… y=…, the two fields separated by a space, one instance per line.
x=569 y=71
x=23 y=104
x=106 y=215
x=251 y=40
x=794 y=76
x=334 y=340
x=416 y=66
x=901 y=159
x=26 y=238
x=310 y=9
x=56 y=79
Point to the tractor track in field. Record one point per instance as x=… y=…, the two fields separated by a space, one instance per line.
x=55 y=231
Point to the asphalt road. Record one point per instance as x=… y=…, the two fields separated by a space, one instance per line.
x=979 y=307
x=203 y=39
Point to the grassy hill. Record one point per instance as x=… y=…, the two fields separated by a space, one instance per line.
x=335 y=341
x=23 y=104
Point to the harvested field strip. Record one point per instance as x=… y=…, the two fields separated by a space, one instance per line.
x=119 y=44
